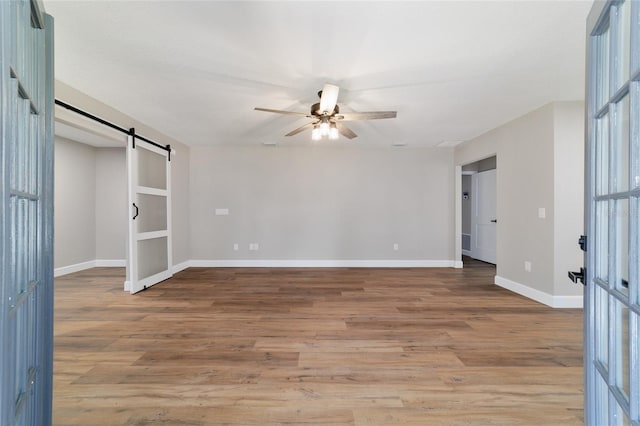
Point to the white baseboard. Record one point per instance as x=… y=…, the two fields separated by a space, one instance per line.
x=540 y=296
x=64 y=270
x=241 y=263
x=466 y=252
x=244 y=263
x=568 y=301
x=458 y=264
x=98 y=263
x=181 y=266
x=111 y=263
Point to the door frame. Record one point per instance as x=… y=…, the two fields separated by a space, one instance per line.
x=457 y=237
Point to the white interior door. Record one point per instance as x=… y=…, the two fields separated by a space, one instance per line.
x=483 y=216
x=149 y=243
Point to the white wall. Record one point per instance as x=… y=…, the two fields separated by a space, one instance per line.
x=180 y=170
x=322 y=203
x=569 y=194
x=90 y=205
x=111 y=203
x=527 y=177
x=74 y=204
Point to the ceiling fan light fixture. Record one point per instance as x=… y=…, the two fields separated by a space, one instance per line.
x=316 y=134
x=333 y=132
x=326 y=116
x=324 y=128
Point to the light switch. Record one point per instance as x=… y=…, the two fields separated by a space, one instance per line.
x=542 y=212
x=222 y=212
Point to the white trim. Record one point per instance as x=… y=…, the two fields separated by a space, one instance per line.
x=242 y=263
x=181 y=266
x=98 y=263
x=110 y=263
x=65 y=270
x=539 y=296
x=457 y=190
x=151 y=191
x=127 y=286
x=151 y=235
x=458 y=264
x=568 y=301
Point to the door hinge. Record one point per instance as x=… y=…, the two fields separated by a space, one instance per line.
x=578 y=276
x=582 y=242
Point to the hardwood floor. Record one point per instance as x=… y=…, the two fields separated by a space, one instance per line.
x=313 y=346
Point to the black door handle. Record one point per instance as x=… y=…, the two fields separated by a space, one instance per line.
x=494 y=220
x=577 y=276
x=135 y=215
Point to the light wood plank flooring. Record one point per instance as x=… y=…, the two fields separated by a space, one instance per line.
x=345 y=346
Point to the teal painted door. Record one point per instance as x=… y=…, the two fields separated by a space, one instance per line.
x=26 y=213
x=612 y=306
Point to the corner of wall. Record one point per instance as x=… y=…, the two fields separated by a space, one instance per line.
x=568 y=194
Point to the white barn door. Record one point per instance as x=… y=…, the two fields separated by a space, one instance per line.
x=149 y=244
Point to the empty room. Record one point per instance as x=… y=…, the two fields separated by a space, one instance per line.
x=339 y=213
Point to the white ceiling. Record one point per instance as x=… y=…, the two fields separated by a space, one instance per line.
x=196 y=69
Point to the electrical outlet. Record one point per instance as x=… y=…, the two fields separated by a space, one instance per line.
x=396 y=247
x=222 y=212
x=254 y=246
x=542 y=212
x=236 y=247
x=527 y=266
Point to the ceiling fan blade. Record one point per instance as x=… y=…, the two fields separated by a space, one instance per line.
x=300 y=129
x=279 y=111
x=329 y=98
x=371 y=115
x=345 y=131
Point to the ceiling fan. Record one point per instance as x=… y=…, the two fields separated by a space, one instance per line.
x=326 y=116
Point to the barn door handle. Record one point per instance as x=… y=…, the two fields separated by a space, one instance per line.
x=137 y=211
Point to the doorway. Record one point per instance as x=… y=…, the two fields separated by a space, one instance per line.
x=478 y=210
x=90 y=197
